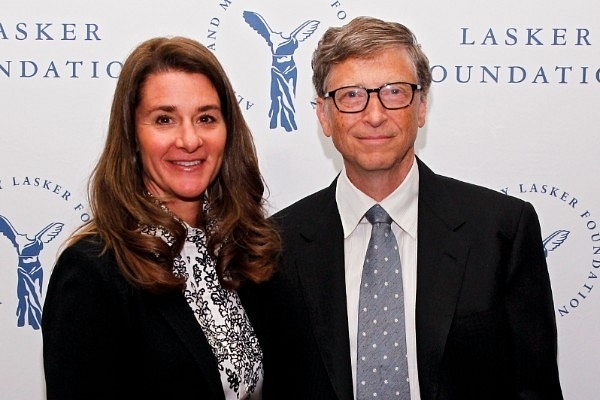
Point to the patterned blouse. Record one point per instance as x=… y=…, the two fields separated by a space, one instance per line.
x=221 y=316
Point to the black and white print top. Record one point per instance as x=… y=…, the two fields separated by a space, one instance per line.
x=221 y=316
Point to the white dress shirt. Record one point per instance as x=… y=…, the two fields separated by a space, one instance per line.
x=402 y=206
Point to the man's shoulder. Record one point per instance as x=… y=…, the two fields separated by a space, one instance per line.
x=437 y=187
x=310 y=204
x=456 y=198
x=477 y=192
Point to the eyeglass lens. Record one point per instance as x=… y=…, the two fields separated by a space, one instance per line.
x=392 y=96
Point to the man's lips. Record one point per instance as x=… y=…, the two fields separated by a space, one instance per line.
x=375 y=139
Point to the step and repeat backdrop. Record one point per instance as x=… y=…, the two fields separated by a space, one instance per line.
x=514 y=106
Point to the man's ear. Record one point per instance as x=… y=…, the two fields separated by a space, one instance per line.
x=323 y=117
x=422 y=111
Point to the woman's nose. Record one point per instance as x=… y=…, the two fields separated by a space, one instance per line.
x=189 y=137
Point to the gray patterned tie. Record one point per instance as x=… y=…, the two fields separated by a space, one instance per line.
x=382 y=368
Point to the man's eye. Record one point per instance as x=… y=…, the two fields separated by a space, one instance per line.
x=352 y=94
x=397 y=91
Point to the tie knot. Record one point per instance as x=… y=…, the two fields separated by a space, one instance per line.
x=377 y=214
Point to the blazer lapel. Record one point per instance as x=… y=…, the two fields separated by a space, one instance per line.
x=176 y=312
x=441 y=259
x=321 y=273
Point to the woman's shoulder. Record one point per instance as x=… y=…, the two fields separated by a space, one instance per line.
x=88 y=247
x=87 y=256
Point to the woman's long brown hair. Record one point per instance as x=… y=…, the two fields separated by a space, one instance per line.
x=244 y=242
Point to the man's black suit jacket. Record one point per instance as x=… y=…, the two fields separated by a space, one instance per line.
x=485 y=323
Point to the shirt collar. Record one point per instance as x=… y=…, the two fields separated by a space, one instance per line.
x=401 y=204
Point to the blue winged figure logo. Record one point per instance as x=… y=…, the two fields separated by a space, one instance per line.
x=29 y=269
x=283 y=67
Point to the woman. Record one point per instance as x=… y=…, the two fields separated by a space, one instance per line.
x=142 y=302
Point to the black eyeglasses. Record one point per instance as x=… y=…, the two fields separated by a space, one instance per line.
x=354 y=99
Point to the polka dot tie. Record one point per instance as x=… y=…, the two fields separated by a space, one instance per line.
x=382 y=368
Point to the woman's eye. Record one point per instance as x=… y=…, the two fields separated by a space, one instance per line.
x=163 y=119
x=206 y=119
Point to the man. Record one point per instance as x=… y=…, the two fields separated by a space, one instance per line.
x=477 y=304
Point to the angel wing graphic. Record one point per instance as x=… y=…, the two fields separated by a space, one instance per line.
x=29 y=269
x=554 y=241
x=21 y=241
x=275 y=39
x=283 y=67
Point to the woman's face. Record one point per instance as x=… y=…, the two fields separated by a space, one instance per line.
x=181 y=135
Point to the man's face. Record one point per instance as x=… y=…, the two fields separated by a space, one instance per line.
x=376 y=141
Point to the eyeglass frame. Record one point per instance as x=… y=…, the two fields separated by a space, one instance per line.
x=331 y=95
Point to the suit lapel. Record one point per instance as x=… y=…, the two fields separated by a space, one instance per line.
x=321 y=274
x=441 y=259
x=176 y=312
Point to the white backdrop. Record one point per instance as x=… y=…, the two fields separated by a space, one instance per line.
x=514 y=107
